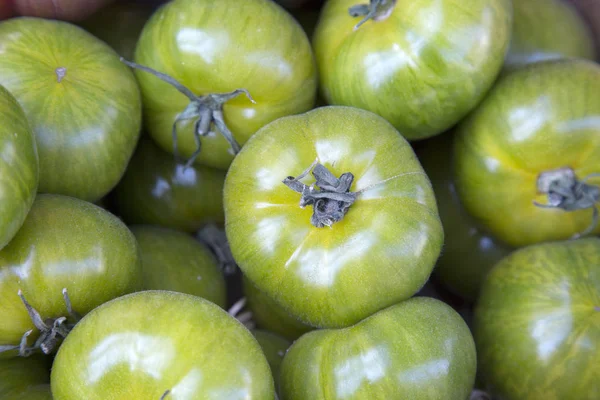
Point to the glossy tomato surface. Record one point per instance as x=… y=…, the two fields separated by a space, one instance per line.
x=547 y=29
x=141 y=345
x=158 y=190
x=469 y=252
x=82 y=103
x=418 y=349
x=64 y=243
x=274 y=348
x=25 y=379
x=537 y=323
x=423 y=66
x=18 y=166
x=380 y=253
x=209 y=49
x=173 y=260
x=536 y=120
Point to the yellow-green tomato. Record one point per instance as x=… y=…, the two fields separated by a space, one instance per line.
x=274 y=348
x=173 y=260
x=142 y=345
x=65 y=243
x=537 y=323
x=82 y=103
x=159 y=190
x=212 y=50
x=359 y=233
x=420 y=64
x=547 y=29
x=18 y=166
x=535 y=138
x=25 y=379
x=419 y=349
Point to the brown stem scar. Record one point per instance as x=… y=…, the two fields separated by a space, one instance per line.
x=61 y=72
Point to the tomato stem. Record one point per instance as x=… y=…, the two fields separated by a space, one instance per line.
x=165 y=394
x=205 y=110
x=244 y=317
x=215 y=239
x=377 y=10
x=61 y=72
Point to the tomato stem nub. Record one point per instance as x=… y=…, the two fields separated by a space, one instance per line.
x=244 y=317
x=377 y=10
x=215 y=239
x=568 y=193
x=205 y=110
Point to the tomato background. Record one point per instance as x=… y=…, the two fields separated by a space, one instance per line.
x=25 y=379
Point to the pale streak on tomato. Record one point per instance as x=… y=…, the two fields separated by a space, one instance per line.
x=423 y=68
x=383 y=250
x=64 y=243
x=170 y=341
x=536 y=329
x=18 y=166
x=419 y=349
x=540 y=118
x=259 y=47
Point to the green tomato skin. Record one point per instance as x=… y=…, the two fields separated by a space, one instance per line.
x=545 y=30
x=274 y=348
x=25 y=378
x=382 y=252
x=158 y=190
x=536 y=119
x=269 y=315
x=461 y=274
x=164 y=341
x=175 y=261
x=423 y=68
x=64 y=243
x=87 y=124
x=19 y=173
x=260 y=48
x=537 y=323
x=419 y=349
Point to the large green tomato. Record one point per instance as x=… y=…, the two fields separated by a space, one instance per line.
x=274 y=348
x=25 y=379
x=336 y=251
x=547 y=29
x=83 y=104
x=419 y=349
x=269 y=315
x=420 y=64
x=210 y=50
x=18 y=166
x=158 y=190
x=173 y=260
x=141 y=345
x=65 y=243
x=469 y=252
x=537 y=323
x=536 y=137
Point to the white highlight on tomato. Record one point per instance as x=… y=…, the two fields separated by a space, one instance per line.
x=21 y=271
x=207 y=45
x=270 y=230
x=526 y=121
x=269 y=177
x=271 y=62
x=423 y=373
x=188 y=386
x=370 y=366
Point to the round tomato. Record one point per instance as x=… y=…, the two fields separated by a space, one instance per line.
x=418 y=349
x=420 y=64
x=260 y=49
x=461 y=274
x=158 y=190
x=522 y=158
x=537 y=323
x=269 y=315
x=173 y=260
x=83 y=104
x=361 y=236
x=142 y=345
x=274 y=348
x=65 y=243
x=25 y=379
x=547 y=29
x=18 y=167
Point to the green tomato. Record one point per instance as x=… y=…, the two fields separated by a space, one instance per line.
x=210 y=50
x=535 y=138
x=420 y=64
x=141 y=345
x=419 y=349
x=547 y=29
x=18 y=167
x=269 y=315
x=537 y=323
x=25 y=379
x=333 y=263
x=65 y=243
x=175 y=261
x=274 y=348
x=158 y=190
x=83 y=104
x=460 y=274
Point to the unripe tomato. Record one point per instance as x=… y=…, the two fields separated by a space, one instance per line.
x=25 y=379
